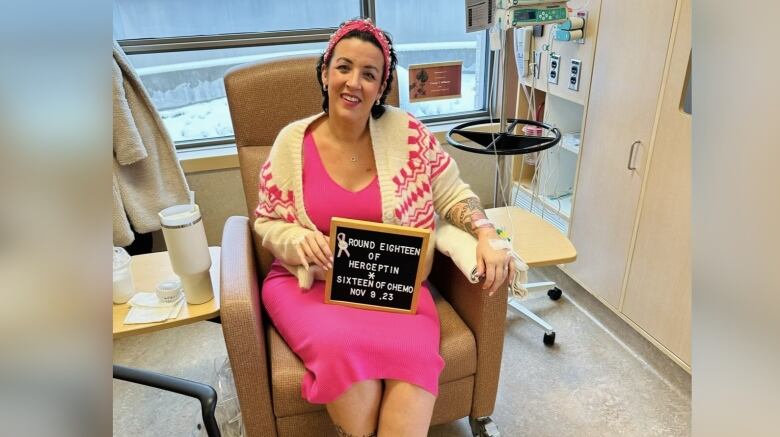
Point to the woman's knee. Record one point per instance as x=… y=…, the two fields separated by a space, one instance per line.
x=365 y=392
x=407 y=389
x=406 y=409
x=356 y=411
x=405 y=399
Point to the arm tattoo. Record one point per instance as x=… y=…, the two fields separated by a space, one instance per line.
x=464 y=213
x=343 y=433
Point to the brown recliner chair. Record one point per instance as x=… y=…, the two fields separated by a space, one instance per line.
x=264 y=97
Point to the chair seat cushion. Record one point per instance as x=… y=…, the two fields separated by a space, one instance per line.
x=457 y=347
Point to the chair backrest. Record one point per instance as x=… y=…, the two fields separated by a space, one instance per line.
x=264 y=97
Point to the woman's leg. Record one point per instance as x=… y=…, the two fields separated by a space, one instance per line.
x=406 y=410
x=356 y=412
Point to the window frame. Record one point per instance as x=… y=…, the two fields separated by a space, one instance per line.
x=286 y=37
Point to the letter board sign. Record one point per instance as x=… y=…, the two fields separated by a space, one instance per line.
x=375 y=265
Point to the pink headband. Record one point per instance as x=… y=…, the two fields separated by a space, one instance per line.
x=362 y=25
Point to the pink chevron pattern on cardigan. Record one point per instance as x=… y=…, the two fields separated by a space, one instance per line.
x=273 y=201
x=413 y=183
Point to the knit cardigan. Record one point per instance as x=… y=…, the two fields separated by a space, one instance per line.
x=417 y=178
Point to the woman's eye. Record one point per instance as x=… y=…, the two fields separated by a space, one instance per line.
x=342 y=68
x=370 y=76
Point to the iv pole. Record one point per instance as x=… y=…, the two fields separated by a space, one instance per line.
x=501 y=170
x=502 y=142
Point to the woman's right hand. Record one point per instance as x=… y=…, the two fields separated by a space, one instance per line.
x=314 y=248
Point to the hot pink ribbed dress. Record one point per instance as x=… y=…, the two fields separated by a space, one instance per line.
x=341 y=345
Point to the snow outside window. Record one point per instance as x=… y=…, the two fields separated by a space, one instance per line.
x=187 y=86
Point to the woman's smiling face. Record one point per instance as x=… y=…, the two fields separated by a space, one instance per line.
x=354 y=79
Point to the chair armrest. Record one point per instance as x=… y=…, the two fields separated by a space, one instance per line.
x=485 y=316
x=204 y=393
x=242 y=327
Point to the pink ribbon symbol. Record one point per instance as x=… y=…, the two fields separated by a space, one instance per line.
x=343 y=245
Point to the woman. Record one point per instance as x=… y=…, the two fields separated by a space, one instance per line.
x=375 y=371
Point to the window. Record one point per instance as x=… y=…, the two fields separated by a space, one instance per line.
x=435 y=31
x=182 y=48
x=176 y=18
x=188 y=91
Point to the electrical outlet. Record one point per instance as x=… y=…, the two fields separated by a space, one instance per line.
x=574 y=74
x=554 y=68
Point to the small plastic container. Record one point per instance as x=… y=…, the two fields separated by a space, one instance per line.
x=123 y=277
x=530 y=130
x=169 y=291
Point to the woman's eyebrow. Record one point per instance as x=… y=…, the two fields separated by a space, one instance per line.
x=349 y=61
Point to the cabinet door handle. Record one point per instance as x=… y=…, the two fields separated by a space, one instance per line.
x=631 y=155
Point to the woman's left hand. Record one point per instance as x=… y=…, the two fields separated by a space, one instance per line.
x=495 y=264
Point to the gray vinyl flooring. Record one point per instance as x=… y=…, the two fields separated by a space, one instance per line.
x=601 y=378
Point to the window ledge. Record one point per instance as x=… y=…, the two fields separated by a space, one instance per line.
x=211 y=158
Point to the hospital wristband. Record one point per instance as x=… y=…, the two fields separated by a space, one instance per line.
x=483 y=223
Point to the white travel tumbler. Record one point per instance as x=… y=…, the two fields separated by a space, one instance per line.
x=185 y=239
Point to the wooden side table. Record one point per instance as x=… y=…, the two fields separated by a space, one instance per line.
x=537 y=242
x=148 y=270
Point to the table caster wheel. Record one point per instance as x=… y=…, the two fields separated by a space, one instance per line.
x=554 y=293
x=484 y=427
x=549 y=339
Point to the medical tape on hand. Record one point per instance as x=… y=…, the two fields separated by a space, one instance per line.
x=483 y=223
x=499 y=244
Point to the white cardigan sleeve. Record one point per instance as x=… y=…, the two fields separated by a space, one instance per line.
x=278 y=220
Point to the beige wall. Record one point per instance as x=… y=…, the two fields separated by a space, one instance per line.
x=476 y=170
x=220 y=195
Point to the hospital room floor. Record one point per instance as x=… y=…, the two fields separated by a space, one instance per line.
x=601 y=378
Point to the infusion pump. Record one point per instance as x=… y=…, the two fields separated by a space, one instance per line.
x=521 y=13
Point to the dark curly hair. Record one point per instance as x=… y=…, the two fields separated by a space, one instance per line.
x=376 y=110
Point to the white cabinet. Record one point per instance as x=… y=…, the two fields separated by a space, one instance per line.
x=628 y=67
x=658 y=292
x=630 y=216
